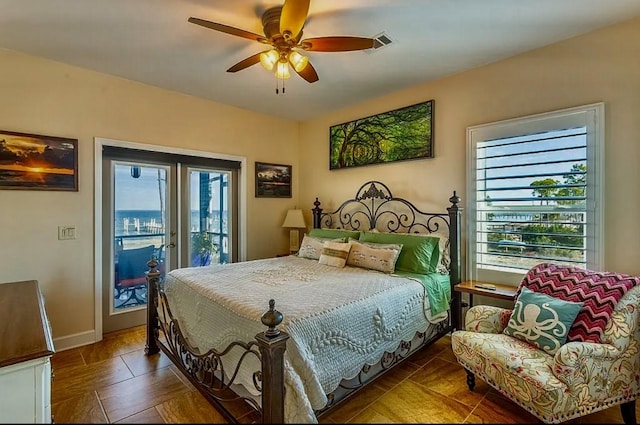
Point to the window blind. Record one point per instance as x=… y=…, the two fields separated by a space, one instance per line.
x=534 y=193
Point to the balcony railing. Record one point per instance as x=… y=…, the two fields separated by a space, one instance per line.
x=132 y=241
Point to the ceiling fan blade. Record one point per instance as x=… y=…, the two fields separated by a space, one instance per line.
x=308 y=73
x=336 y=44
x=245 y=63
x=227 y=29
x=294 y=13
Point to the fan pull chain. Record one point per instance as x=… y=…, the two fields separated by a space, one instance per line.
x=278 y=85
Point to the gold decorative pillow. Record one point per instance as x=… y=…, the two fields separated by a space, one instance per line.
x=374 y=256
x=311 y=246
x=335 y=253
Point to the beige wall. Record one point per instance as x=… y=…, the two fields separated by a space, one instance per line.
x=603 y=66
x=44 y=97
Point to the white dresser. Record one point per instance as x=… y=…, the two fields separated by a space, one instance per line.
x=26 y=347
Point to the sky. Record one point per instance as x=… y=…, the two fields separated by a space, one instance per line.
x=518 y=160
x=142 y=193
x=23 y=152
x=137 y=193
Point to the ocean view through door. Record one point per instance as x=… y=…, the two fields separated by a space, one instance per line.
x=140 y=226
x=175 y=211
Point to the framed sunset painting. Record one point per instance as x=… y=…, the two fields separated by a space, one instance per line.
x=35 y=162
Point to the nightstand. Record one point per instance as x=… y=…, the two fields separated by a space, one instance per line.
x=486 y=289
x=503 y=292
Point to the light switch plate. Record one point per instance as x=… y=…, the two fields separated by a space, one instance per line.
x=66 y=232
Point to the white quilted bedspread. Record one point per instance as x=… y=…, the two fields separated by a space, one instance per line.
x=338 y=318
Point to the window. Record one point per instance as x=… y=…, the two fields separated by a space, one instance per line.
x=535 y=188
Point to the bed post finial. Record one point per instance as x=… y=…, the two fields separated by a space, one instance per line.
x=272 y=344
x=317 y=214
x=272 y=318
x=455 y=199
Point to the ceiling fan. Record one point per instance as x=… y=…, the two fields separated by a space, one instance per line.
x=282 y=26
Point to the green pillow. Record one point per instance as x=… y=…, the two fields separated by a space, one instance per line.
x=420 y=253
x=542 y=320
x=335 y=233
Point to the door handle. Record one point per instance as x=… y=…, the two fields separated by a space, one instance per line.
x=171 y=245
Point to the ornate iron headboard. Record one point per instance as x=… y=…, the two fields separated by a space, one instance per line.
x=375 y=207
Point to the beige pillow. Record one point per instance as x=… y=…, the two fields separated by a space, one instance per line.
x=311 y=246
x=374 y=256
x=444 y=261
x=335 y=253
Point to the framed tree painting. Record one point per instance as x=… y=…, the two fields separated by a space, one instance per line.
x=398 y=135
x=273 y=180
x=35 y=162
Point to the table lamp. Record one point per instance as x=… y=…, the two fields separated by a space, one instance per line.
x=294 y=221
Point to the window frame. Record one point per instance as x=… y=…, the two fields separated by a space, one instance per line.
x=592 y=117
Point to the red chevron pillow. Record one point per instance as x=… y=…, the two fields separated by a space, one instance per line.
x=600 y=292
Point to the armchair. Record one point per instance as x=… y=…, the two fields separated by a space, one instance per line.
x=577 y=379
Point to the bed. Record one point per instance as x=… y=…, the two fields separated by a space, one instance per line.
x=287 y=339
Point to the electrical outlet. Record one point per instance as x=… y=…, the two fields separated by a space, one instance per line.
x=66 y=232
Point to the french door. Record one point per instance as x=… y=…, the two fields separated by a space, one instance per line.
x=179 y=210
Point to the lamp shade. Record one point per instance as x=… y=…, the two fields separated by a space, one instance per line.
x=282 y=70
x=269 y=59
x=294 y=220
x=298 y=61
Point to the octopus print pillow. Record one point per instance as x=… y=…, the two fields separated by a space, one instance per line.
x=542 y=320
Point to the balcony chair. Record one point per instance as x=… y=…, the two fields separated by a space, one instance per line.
x=131 y=280
x=569 y=347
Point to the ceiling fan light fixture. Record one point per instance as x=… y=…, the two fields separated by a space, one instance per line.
x=282 y=28
x=282 y=70
x=298 y=61
x=268 y=59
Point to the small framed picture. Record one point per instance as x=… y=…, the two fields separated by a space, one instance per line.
x=35 y=162
x=273 y=180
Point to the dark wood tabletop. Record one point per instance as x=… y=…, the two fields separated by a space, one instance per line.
x=24 y=328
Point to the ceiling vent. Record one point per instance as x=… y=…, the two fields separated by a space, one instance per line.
x=381 y=40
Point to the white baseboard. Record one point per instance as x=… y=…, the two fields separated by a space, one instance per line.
x=76 y=340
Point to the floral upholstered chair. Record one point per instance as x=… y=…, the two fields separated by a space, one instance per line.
x=548 y=355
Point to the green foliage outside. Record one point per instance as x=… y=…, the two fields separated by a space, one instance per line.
x=391 y=136
x=546 y=189
x=545 y=239
x=203 y=243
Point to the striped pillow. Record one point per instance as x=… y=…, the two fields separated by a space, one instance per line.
x=335 y=253
x=599 y=291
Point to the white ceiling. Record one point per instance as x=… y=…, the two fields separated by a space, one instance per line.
x=150 y=41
